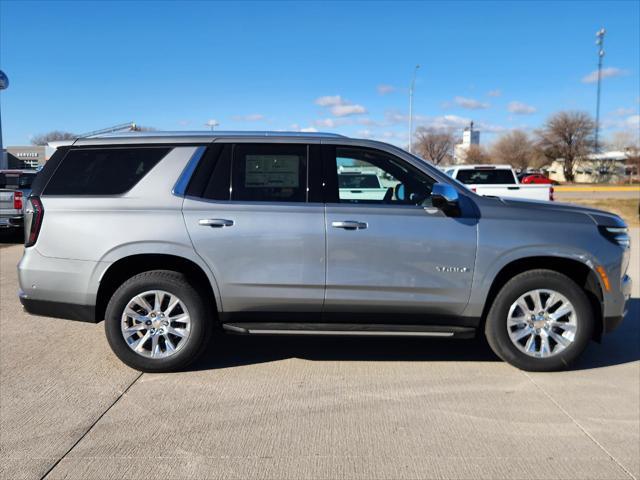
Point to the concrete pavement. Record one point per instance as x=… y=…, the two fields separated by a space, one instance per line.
x=310 y=407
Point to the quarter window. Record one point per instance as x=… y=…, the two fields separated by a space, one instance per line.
x=104 y=171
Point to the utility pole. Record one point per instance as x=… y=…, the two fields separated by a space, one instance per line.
x=411 y=88
x=4 y=84
x=600 y=43
x=212 y=124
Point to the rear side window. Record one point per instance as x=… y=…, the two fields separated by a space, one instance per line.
x=103 y=171
x=485 y=177
x=269 y=173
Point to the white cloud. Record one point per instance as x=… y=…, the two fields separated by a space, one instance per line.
x=383 y=89
x=633 y=121
x=520 y=108
x=325 y=122
x=329 y=100
x=184 y=123
x=608 y=72
x=494 y=93
x=295 y=127
x=252 y=117
x=344 y=110
x=470 y=103
x=339 y=107
x=366 y=133
x=309 y=129
x=367 y=121
x=621 y=112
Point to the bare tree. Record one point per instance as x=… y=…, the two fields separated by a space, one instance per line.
x=435 y=146
x=55 y=135
x=518 y=150
x=477 y=155
x=568 y=136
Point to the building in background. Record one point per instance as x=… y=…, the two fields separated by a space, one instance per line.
x=604 y=167
x=469 y=137
x=30 y=156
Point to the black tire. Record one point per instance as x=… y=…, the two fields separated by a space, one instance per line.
x=172 y=282
x=496 y=323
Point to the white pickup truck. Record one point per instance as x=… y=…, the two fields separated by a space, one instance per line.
x=498 y=181
x=361 y=185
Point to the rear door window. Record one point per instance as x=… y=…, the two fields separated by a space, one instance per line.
x=103 y=171
x=485 y=177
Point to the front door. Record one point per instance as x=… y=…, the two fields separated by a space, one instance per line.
x=389 y=252
x=251 y=221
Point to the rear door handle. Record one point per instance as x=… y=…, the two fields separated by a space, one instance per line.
x=350 y=225
x=215 y=222
x=513 y=188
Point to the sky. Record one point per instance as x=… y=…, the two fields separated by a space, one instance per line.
x=341 y=67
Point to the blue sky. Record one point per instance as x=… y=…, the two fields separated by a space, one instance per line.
x=331 y=66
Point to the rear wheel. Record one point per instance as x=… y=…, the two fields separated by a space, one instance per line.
x=157 y=322
x=540 y=320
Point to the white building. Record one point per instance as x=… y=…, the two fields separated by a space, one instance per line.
x=469 y=137
x=605 y=167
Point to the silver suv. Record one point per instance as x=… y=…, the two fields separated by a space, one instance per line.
x=167 y=236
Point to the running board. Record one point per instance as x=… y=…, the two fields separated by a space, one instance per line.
x=353 y=329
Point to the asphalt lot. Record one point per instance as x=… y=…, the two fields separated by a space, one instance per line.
x=310 y=407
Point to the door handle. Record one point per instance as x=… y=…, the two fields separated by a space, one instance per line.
x=513 y=188
x=350 y=225
x=215 y=222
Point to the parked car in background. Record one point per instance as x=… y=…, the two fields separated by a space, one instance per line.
x=15 y=188
x=498 y=181
x=362 y=186
x=167 y=236
x=536 y=178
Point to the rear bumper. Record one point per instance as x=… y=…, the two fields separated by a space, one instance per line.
x=11 y=222
x=69 y=311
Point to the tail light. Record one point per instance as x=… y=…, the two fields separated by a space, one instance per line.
x=33 y=221
x=551 y=191
x=17 y=200
x=474 y=189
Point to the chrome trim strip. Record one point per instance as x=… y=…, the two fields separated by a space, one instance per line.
x=180 y=187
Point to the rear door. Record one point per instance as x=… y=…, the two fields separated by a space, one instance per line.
x=251 y=216
x=395 y=256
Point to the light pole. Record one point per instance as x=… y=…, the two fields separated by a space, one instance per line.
x=411 y=88
x=4 y=83
x=212 y=124
x=600 y=43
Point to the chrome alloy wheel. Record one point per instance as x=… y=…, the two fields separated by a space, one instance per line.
x=542 y=323
x=155 y=324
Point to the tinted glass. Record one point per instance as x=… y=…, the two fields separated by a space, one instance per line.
x=212 y=176
x=372 y=176
x=269 y=173
x=484 y=177
x=104 y=171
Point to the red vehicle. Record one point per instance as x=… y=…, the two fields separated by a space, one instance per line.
x=536 y=178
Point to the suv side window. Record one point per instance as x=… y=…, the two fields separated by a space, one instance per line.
x=369 y=176
x=269 y=172
x=103 y=171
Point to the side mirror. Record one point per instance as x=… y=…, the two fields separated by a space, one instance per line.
x=445 y=197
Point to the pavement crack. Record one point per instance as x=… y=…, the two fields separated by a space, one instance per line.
x=86 y=432
x=577 y=424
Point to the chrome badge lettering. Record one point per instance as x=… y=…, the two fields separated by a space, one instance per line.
x=452 y=269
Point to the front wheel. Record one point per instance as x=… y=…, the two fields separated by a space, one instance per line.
x=541 y=320
x=157 y=322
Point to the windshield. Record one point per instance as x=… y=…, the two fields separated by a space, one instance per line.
x=485 y=177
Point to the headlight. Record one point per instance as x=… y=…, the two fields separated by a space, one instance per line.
x=617 y=235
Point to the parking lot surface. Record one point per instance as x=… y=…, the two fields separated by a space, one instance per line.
x=310 y=407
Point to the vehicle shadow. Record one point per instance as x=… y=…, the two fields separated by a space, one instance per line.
x=620 y=347
x=11 y=236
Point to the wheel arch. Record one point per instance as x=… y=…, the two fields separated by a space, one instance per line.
x=126 y=267
x=579 y=272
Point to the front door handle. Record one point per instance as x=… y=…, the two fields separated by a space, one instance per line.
x=215 y=222
x=350 y=225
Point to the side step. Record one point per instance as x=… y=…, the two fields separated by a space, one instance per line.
x=355 y=329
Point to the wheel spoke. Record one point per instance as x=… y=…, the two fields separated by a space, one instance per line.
x=531 y=344
x=129 y=312
x=523 y=306
x=537 y=301
x=170 y=347
x=138 y=346
x=560 y=340
x=172 y=304
x=545 y=348
x=157 y=301
x=135 y=328
x=566 y=326
x=551 y=301
x=182 y=318
x=155 y=346
x=178 y=332
x=561 y=312
x=520 y=334
x=140 y=300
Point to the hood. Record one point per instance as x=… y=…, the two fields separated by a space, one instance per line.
x=599 y=217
